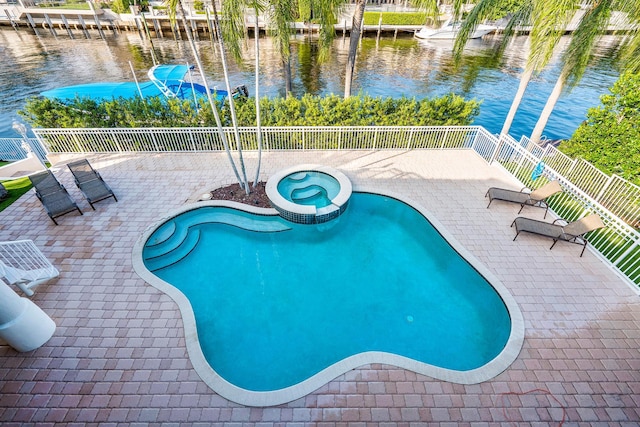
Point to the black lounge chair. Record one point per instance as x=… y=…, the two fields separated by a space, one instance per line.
x=535 y=198
x=90 y=182
x=573 y=232
x=54 y=197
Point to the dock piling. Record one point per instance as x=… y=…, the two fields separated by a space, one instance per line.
x=66 y=26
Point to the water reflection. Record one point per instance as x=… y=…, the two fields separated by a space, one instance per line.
x=401 y=66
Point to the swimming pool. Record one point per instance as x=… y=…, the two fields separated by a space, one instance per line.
x=287 y=307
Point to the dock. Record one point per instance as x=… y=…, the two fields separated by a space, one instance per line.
x=153 y=23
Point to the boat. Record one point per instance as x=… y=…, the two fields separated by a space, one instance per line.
x=450 y=31
x=166 y=80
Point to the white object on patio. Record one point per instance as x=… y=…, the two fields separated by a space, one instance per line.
x=22 y=264
x=23 y=325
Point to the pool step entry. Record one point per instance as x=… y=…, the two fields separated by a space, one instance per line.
x=162 y=234
x=177 y=254
x=169 y=236
x=308 y=195
x=170 y=242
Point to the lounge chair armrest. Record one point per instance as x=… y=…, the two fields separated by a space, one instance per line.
x=525 y=190
x=560 y=219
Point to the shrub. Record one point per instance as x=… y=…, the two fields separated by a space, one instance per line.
x=120 y=6
x=310 y=110
x=395 y=18
x=610 y=137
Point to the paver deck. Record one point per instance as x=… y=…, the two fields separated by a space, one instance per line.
x=118 y=356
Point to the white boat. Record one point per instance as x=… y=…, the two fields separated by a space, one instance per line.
x=450 y=31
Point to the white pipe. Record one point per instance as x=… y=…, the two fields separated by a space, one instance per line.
x=23 y=325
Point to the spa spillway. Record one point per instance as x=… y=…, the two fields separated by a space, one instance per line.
x=309 y=194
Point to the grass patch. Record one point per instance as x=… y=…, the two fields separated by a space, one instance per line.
x=66 y=6
x=16 y=188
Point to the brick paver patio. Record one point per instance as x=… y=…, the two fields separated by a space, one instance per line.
x=118 y=355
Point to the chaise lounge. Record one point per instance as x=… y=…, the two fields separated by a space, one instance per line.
x=536 y=198
x=573 y=232
x=90 y=182
x=53 y=196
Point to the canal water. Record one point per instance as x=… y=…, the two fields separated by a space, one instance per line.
x=402 y=66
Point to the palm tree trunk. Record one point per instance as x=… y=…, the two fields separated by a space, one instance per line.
x=258 y=128
x=536 y=135
x=522 y=87
x=286 y=65
x=232 y=107
x=354 y=39
x=212 y=104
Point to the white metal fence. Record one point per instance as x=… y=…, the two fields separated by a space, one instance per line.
x=586 y=189
x=12 y=149
x=274 y=138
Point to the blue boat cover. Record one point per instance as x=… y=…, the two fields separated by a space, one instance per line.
x=169 y=76
x=168 y=72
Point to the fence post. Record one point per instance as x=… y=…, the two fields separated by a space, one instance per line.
x=410 y=139
x=115 y=140
x=625 y=253
x=499 y=143
x=375 y=138
x=522 y=156
x=193 y=142
x=604 y=188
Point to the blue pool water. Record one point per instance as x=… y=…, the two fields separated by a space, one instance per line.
x=311 y=188
x=274 y=307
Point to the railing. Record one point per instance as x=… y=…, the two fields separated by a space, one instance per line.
x=586 y=188
x=274 y=138
x=11 y=149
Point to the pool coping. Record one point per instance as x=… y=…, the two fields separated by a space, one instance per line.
x=277 y=397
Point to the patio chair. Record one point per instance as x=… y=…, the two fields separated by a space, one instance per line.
x=536 y=198
x=573 y=232
x=90 y=182
x=22 y=264
x=53 y=196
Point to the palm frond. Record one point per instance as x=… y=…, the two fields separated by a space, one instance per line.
x=578 y=54
x=281 y=14
x=549 y=21
x=172 y=7
x=325 y=12
x=484 y=9
x=428 y=6
x=232 y=26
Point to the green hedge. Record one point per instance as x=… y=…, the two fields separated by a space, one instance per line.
x=395 y=18
x=309 y=110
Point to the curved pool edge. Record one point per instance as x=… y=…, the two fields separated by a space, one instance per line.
x=277 y=397
x=309 y=214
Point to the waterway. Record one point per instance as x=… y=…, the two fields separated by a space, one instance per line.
x=402 y=66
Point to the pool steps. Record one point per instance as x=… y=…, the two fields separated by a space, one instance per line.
x=310 y=192
x=171 y=242
x=175 y=255
x=162 y=234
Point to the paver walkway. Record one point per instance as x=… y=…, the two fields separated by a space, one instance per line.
x=118 y=355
